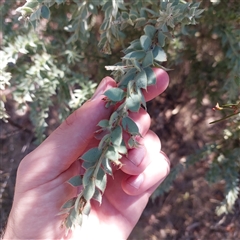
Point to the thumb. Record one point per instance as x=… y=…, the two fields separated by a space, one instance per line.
x=69 y=140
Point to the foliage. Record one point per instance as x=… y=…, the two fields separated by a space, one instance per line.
x=42 y=71
x=36 y=71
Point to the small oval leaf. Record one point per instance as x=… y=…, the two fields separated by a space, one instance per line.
x=87 y=208
x=135 y=54
x=159 y=54
x=133 y=102
x=92 y=155
x=101 y=180
x=97 y=196
x=112 y=154
x=103 y=123
x=115 y=94
x=116 y=136
x=148 y=60
x=141 y=80
x=145 y=42
x=89 y=190
x=130 y=126
x=70 y=203
x=150 y=31
x=45 y=12
x=75 y=181
x=107 y=166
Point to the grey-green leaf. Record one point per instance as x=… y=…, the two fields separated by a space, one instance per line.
x=161 y=38
x=101 y=180
x=115 y=94
x=141 y=80
x=89 y=190
x=159 y=54
x=116 y=136
x=133 y=102
x=122 y=148
x=70 y=203
x=148 y=60
x=107 y=166
x=45 y=12
x=103 y=123
x=150 y=31
x=145 y=42
x=151 y=76
x=130 y=126
x=97 y=195
x=92 y=155
x=75 y=181
x=87 y=177
x=112 y=154
x=140 y=54
x=87 y=208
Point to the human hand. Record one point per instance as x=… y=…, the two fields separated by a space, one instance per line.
x=42 y=188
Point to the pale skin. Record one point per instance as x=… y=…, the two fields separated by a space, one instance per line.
x=42 y=188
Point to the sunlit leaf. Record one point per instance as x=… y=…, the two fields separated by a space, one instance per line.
x=87 y=208
x=107 y=166
x=122 y=148
x=112 y=153
x=97 y=196
x=103 y=123
x=159 y=54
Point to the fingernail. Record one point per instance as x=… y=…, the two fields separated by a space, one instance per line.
x=100 y=90
x=136 y=155
x=136 y=181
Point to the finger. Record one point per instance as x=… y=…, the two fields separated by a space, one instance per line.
x=137 y=159
x=152 y=176
x=162 y=81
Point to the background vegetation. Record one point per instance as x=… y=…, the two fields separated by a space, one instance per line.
x=43 y=80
